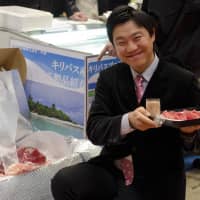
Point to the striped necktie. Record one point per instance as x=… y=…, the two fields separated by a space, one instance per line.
x=126 y=165
x=139 y=87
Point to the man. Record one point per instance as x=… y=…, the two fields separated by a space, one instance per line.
x=119 y=122
x=56 y=7
x=69 y=7
x=105 y=5
x=178 y=31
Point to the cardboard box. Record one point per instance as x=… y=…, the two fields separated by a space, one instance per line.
x=12 y=58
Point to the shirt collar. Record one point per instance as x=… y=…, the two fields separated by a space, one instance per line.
x=147 y=74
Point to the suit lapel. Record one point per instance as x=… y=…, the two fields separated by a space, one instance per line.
x=156 y=85
x=127 y=87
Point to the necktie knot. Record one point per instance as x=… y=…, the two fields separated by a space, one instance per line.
x=139 y=80
x=139 y=87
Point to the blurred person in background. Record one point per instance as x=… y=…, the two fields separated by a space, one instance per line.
x=178 y=30
x=56 y=7
x=69 y=8
x=108 y=5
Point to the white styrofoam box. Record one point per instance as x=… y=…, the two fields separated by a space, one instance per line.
x=1 y=20
x=34 y=185
x=24 y=19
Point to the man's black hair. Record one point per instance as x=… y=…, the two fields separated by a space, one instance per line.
x=123 y=14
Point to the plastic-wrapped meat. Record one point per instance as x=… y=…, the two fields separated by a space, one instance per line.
x=182 y=115
x=30 y=158
x=173 y=115
x=31 y=154
x=19 y=168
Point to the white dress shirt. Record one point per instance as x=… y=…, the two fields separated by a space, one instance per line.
x=147 y=74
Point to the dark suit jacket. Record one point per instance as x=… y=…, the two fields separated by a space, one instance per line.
x=60 y=6
x=155 y=150
x=178 y=30
x=31 y=3
x=56 y=7
x=105 y=5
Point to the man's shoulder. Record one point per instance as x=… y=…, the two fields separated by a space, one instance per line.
x=116 y=68
x=173 y=68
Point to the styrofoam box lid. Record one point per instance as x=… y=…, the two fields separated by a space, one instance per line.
x=24 y=19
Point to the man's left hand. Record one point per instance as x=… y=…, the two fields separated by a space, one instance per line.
x=190 y=129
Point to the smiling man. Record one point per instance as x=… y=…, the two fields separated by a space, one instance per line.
x=134 y=45
x=119 y=121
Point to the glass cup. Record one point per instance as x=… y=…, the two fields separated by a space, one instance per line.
x=153 y=106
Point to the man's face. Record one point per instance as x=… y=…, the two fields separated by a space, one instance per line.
x=133 y=45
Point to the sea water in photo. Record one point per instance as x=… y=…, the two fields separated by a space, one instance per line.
x=43 y=123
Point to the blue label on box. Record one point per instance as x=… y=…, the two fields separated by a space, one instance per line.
x=67 y=71
x=55 y=81
x=95 y=67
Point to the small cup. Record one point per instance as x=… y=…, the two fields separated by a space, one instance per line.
x=153 y=106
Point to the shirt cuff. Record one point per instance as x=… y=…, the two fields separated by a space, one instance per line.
x=125 y=126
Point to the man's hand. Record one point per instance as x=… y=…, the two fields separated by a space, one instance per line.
x=107 y=50
x=78 y=16
x=139 y=119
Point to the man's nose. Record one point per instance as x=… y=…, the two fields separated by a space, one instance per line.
x=131 y=46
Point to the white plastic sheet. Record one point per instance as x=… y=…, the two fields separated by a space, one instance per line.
x=8 y=120
x=16 y=130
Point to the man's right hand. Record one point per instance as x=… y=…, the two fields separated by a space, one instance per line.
x=79 y=16
x=107 y=50
x=139 y=119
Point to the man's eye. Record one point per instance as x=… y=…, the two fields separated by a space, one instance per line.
x=138 y=37
x=121 y=43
